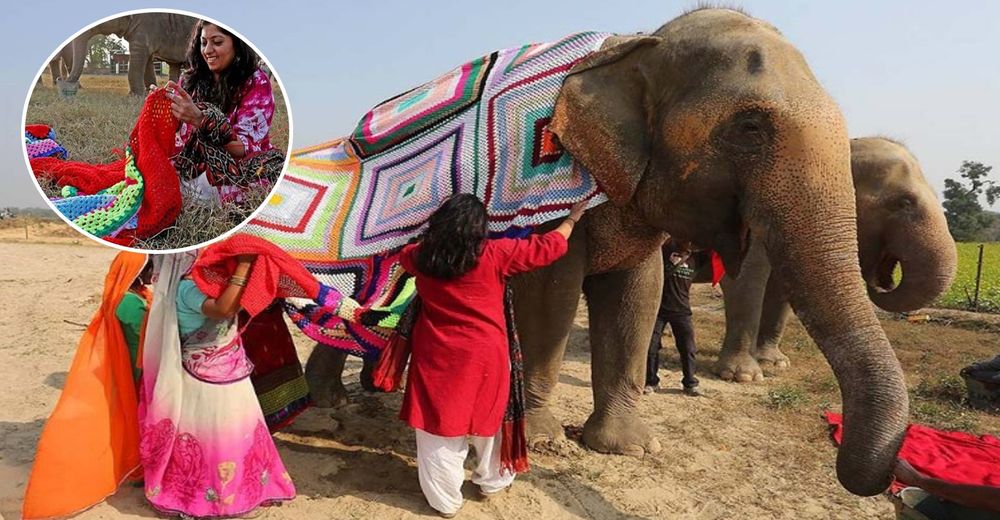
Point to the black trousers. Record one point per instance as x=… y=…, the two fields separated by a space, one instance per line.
x=683 y=331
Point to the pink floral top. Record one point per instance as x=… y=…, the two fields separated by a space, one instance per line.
x=251 y=119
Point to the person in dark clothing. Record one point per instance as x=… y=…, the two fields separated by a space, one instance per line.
x=679 y=266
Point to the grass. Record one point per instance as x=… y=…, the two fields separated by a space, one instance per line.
x=98 y=120
x=959 y=296
x=786 y=397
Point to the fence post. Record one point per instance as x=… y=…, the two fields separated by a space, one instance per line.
x=979 y=275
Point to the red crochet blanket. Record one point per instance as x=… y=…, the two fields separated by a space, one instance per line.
x=275 y=273
x=957 y=457
x=152 y=143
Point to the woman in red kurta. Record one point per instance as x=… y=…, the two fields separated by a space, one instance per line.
x=459 y=375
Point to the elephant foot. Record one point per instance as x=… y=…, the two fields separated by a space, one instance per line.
x=740 y=367
x=329 y=397
x=621 y=434
x=543 y=429
x=367 y=378
x=772 y=360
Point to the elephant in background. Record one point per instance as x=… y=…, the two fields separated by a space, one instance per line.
x=150 y=36
x=712 y=129
x=60 y=65
x=900 y=223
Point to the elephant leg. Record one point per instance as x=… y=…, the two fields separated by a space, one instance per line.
x=367 y=375
x=175 y=72
x=149 y=76
x=622 y=306
x=137 y=62
x=774 y=316
x=324 y=374
x=744 y=296
x=545 y=303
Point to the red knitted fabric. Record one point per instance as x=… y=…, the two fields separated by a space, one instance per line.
x=38 y=131
x=275 y=273
x=152 y=143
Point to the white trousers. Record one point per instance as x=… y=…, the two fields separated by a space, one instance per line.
x=441 y=468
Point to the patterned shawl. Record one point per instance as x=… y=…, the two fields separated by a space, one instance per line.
x=346 y=208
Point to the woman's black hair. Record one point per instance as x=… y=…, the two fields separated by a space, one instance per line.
x=200 y=82
x=453 y=241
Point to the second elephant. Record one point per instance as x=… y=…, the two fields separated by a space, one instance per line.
x=900 y=223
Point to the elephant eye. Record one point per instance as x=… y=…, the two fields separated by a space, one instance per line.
x=905 y=202
x=748 y=131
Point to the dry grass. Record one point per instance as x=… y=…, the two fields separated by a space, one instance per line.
x=98 y=120
x=200 y=222
x=931 y=355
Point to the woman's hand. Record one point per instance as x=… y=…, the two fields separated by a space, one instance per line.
x=183 y=107
x=150 y=89
x=578 y=209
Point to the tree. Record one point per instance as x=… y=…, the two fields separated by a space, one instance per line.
x=966 y=218
x=100 y=50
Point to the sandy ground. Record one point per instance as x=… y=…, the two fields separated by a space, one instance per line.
x=728 y=454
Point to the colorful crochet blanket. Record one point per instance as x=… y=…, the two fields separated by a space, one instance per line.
x=132 y=198
x=40 y=141
x=346 y=208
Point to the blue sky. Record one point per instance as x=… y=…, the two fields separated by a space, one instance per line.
x=925 y=72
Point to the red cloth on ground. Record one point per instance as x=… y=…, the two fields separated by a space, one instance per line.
x=152 y=142
x=275 y=274
x=956 y=457
x=459 y=376
x=38 y=131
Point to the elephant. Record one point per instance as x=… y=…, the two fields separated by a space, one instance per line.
x=712 y=129
x=150 y=36
x=61 y=63
x=900 y=222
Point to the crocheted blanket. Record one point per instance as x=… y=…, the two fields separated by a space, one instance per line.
x=40 y=141
x=134 y=197
x=346 y=208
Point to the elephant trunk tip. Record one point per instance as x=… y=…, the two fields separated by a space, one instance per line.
x=921 y=282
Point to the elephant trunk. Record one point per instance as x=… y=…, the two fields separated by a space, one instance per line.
x=927 y=258
x=809 y=227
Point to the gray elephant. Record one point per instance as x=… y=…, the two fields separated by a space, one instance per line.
x=900 y=222
x=60 y=64
x=150 y=36
x=711 y=129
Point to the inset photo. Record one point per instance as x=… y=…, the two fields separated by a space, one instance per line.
x=156 y=130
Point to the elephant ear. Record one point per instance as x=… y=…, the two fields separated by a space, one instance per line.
x=601 y=115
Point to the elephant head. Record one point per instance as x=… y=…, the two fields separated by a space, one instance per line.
x=900 y=222
x=714 y=126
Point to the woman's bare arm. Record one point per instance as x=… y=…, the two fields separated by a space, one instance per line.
x=575 y=214
x=228 y=303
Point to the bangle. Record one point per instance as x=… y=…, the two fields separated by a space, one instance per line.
x=573 y=220
x=238 y=280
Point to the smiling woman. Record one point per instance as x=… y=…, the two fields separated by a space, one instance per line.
x=180 y=161
x=225 y=105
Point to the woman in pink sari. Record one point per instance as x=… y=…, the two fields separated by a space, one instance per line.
x=205 y=448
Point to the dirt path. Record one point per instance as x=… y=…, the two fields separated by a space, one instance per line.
x=730 y=453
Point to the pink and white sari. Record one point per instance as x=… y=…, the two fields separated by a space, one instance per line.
x=205 y=449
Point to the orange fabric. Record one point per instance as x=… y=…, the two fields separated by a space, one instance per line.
x=90 y=443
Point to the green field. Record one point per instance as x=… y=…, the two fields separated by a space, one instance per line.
x=961 y=292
